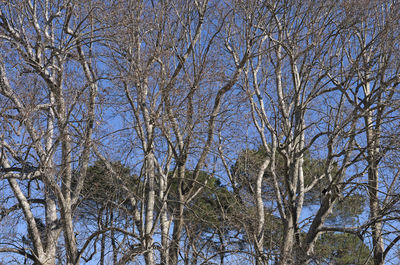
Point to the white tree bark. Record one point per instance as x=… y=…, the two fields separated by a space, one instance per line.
x=32 y=31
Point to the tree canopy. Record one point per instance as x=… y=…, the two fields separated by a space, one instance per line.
x=199 y=132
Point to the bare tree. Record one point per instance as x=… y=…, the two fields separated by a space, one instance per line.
x=313 y=86
x=48 y=88
x=285 y=84
x=305 y=90
x=374 y=60
x=163 y=66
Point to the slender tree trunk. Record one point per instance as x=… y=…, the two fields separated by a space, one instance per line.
x=103 y=236
x=179 y=220
x=113 y=241
x=69 y=236
x=259 y=236
x=373 y=142
x=148 y=240
x=287 y=241
x=373 y=189
x=178 y=224
x=176 y=235
x=164 y=222
x=52 y=232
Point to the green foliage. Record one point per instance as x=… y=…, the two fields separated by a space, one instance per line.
x=212 y=204
x=249 y=161
x=341 y=249
x=347 y=210
x=101 y=185
x=273 y=231
x=209 y=215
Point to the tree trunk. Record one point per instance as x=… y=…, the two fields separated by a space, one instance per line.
x=373 y=189
x=259 y=235
x=148 y=240
x=176 y=235
x=179 y=221
x=373 y=142
x=287 y=241
x=52 y=232
x=164 y=222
